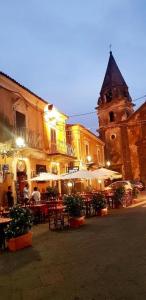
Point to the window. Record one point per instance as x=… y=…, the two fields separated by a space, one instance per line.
x=69 y=137
x=113 y=136
x=53 y=140
x=40 y=169
x=111 y=116
x=87 y=149
x=20 y=120
x=53 y=136
x=108 y=96
x=127 y=113
x=71 y=164
x=66 y=168
x=54 y=169
x=125 y=94
x=99 y=156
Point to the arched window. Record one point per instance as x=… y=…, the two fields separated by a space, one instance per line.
x=111 y=116
x=108 y=96
x=125 y=94
x=127 y=113
x=99 y=156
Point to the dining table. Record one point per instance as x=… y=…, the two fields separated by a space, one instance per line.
x=57 y=208
x=39 y=210
x=3 y=223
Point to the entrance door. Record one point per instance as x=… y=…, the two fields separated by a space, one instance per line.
x=21 y=179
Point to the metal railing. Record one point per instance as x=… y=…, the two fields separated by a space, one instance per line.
x=31 y=138
x=62 y=148
x=34 y=139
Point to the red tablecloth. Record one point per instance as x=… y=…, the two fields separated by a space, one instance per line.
x=5 y=220
x=57 y=208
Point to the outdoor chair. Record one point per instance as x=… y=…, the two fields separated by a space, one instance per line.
x=58 y=221
x=88 y=208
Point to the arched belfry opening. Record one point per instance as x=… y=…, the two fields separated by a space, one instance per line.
x=111 y=116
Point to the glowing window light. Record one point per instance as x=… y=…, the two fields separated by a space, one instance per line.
x=51 y=114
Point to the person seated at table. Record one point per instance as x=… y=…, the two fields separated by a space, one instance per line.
x=10 y=198
x=26 y=194
x=36 y=196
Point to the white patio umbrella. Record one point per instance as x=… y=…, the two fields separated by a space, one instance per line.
x=104 y=173
x=45 y=177
x=81 y=174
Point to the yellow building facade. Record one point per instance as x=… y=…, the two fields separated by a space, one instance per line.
x=88 y=149
x=34 y=138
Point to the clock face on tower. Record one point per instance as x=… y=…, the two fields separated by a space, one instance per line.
x=21 y=166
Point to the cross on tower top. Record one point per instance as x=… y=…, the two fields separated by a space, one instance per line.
x=110 y=47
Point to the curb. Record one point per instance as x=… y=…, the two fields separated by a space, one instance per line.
x=137 y=204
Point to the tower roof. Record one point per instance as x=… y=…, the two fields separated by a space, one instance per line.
x=113 y=76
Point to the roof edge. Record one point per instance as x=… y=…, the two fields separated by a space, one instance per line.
x=84 y=128
x=22 y=86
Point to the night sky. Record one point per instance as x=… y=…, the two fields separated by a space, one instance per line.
x=59 y=49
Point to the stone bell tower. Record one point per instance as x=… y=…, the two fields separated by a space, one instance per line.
x=114 y=108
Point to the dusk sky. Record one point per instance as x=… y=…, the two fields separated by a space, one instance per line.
x=59 y=49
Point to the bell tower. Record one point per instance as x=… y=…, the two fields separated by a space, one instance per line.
x=114 y=108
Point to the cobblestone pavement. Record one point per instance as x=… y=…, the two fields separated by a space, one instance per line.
x=105 y=259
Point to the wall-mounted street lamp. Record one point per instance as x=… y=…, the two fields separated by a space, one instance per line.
x=20 y=143
x=89 y=158
x=100 y=181
x=69 y=185
x=89 y=162
x=108 y=163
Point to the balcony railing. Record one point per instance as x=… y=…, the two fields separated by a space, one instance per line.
x=62 y=148
x=31 y=138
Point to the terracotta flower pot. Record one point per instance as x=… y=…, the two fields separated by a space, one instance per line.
x=77 y=222
x=20 y=242
x=118 y=205
x=102 y=212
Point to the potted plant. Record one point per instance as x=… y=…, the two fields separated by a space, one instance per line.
x=74 y=206
x=118 y=196
x=99 y=204
x=52 y=192
x=18 y=232
x=135 y=193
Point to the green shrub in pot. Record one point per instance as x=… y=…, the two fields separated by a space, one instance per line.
x=21 y=222
x=74 y=205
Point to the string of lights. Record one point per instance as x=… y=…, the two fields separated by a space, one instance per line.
x=89 y=113
x=94 y=112
x=129 y=124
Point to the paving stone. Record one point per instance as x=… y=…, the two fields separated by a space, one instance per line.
x=106 y=259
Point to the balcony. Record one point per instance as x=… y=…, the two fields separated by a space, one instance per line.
x=32 y=138
x=61 y=148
